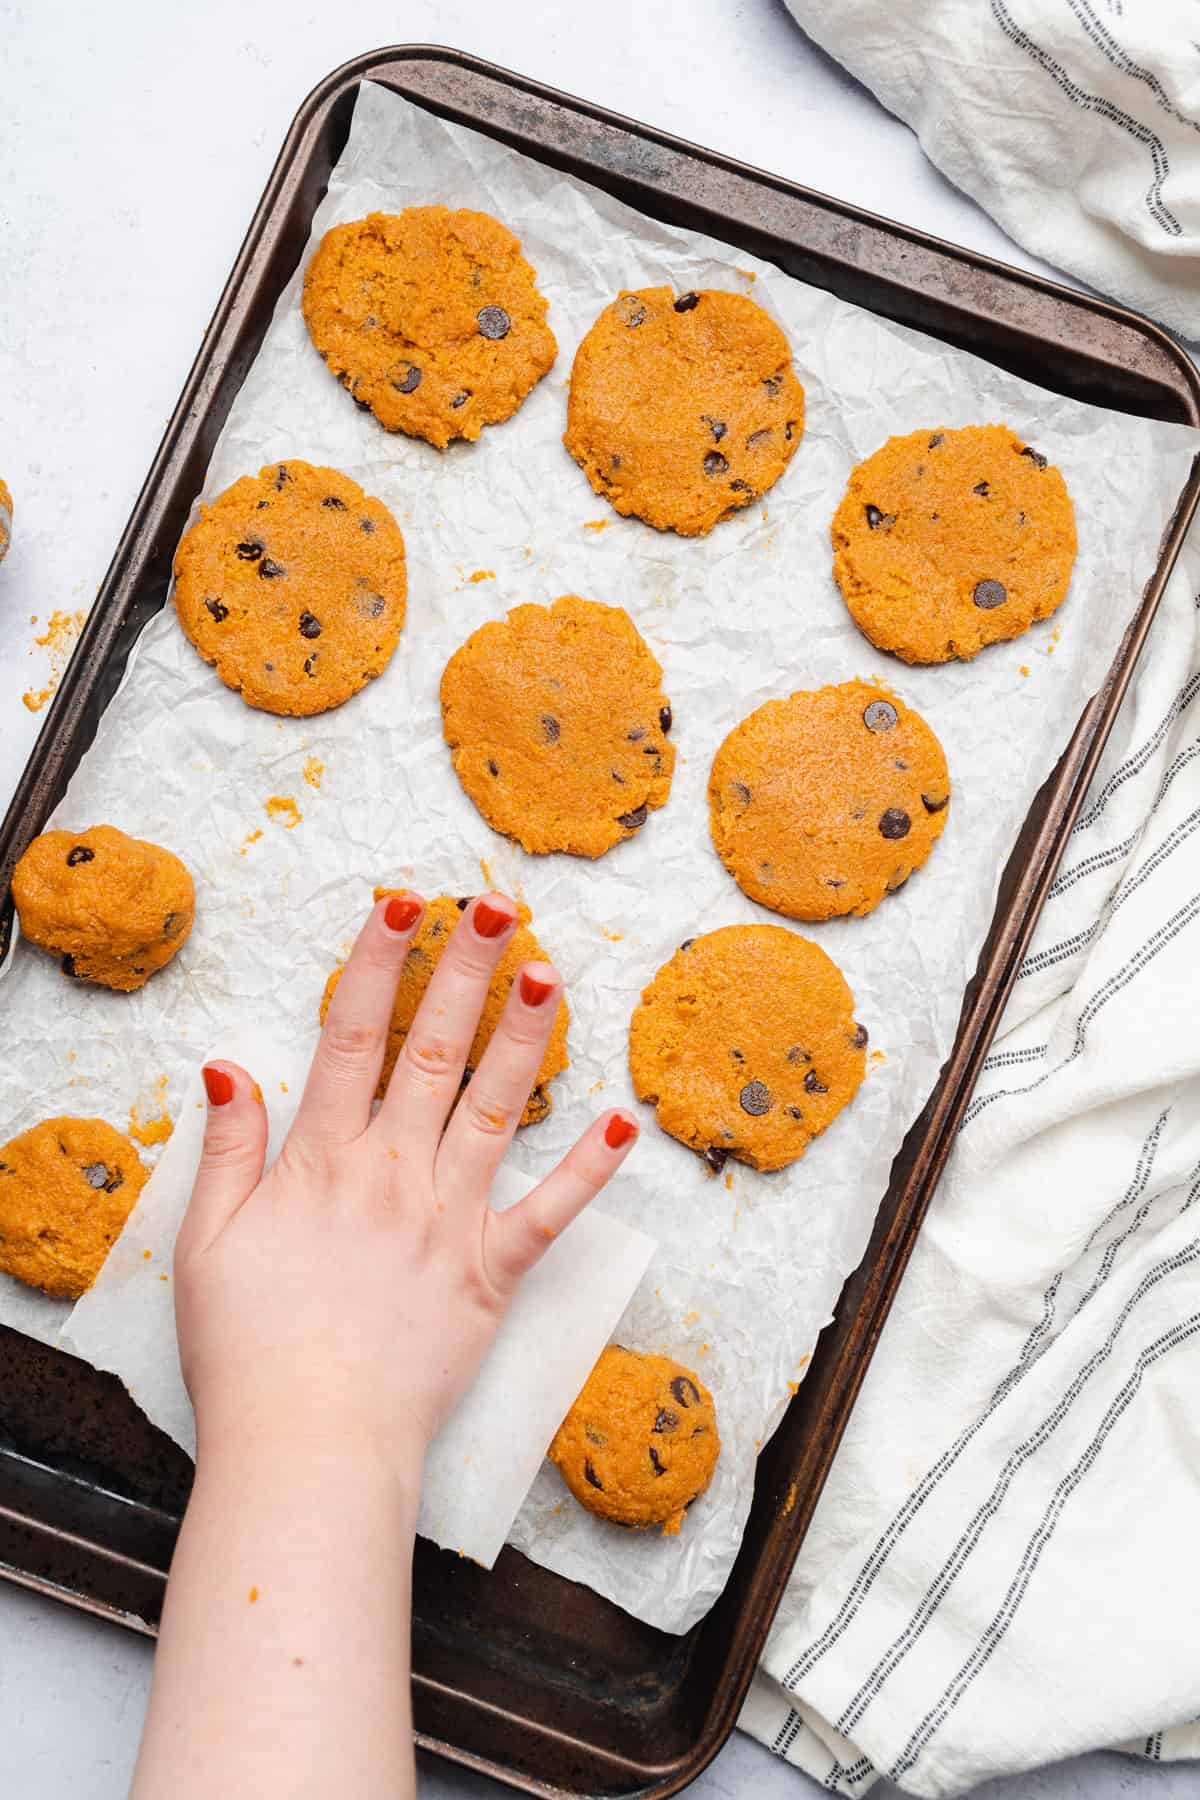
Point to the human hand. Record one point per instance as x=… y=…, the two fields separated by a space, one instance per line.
x=346 y=1298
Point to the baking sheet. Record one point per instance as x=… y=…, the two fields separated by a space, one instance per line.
x=749 y=613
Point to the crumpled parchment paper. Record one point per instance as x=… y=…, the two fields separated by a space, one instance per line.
x=750 y=1264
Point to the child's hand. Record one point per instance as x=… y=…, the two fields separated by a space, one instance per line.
x=347 y=1297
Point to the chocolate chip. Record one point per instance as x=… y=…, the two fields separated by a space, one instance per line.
x=367 y=525
x=333 y=503
x=463 y=901
x=715 y=1158
x=935 y=806
x=616 y=461
x=551 y=729
x=900 y=763
x=172 y=925
x=269 y=570
x=787 y=430
x=116 y=1179
x=682 y=1386
x=715 y=464
x=309 y=627
x=594 y=1437
x=362 y=405
x=656 y=1461
x=1035 y=456
x=370 y=605
x=492 y=769
x=797 y=1055
x=408 y=377
x=793 y=1112
x=632 y=820
x=460 y=399
x=218 y=611
x=96 y=1175
x=537 y=1105
x=833 y=881
x=310 y=663
x=666 y=1421
x=741 y=487
x=650 y=750
x=895 y=823
x=629 y=310
x=636 y=735
x=718 y=427
x=989 y=594
x=741 y=791
x=261 y=505
x=812 y=1085
x=590 y=1475
x=859 y=1037
x=687 y=943
x=755 y=1099
x=617 y=777
x=281 y=475
x=80 y=854
x=879 y=521
x=67 y=965
x=759 y=437
x=981 y=487
x=773 y=385
x=493 y=322
x=738 y=1055
x=665 y=719
x=881 y=715
x=687 y=303
x=936 y=439
x=249 y=551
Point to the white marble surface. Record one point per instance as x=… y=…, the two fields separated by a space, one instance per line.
x=135 y=139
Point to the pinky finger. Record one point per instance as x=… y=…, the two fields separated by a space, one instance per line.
x=516 y=1239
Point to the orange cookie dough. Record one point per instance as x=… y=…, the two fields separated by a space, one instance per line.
x=746 y=1043
x=67 y=1187
x=558 y=726
x=949 y=540
x=114 y=908
x=683 y=408
x=821 y=804
x=6 y=519
x=431 y=318
x=640 y=1442
x=293 y=584
x=441 y=916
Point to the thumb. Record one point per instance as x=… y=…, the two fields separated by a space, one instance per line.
x=235 y=1148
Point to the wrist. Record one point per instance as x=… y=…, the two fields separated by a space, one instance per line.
x=295 y=1457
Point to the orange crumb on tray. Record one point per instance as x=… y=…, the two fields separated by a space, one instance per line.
x=149 y=1121
x=314 y=768
x=486 y=872
x=596 y=524
x=251 y=837
x=58 y=641
x=793 y=1387
x=614 y=937
x=746 y=274
x=789 y=1501
x=256 y=1091
x=283 y=1087
x=1024 y=668
x=283 y=807
x=147 y=1254
x=483 y=575
x=729 y=1181
x=162 y=1278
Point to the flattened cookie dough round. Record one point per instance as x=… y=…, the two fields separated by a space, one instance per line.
x=949 y=540
x=822 y=803
x=640 y=1442
x=684 y=407
x=292 y=583
x=431 y=318
x=67 y=1187
x=441 y=916
x=747 y=1045
x=558 y=726
x=114 y=908
x=6 y=520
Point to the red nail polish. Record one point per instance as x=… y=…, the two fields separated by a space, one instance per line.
x=218 y=1086
x=618 y=1131
x=401 y=912
x=534 y=991
x=491 y=920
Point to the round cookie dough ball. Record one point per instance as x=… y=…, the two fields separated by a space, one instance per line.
x=640 y=1442
x=441 y=916
x=949 y=540
x=746 y=1044
x=114 y=908
x=558 y=726
x=431 y=318
x=683 y=408
x=821 y=804
x=67 y=1187
x=292 y=583
x=6 y=520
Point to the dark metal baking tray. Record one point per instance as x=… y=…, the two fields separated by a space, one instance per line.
x=518 y=1672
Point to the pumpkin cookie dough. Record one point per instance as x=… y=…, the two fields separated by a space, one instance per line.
x=746 y=1043
x=684 y=407
x=431 y=318
x=441 y=916
x=293 y=584
x=949 y=540
x=114 y=908
x=821 y=804
x=558 y=726
x=640 y=1442
x=6 y=519
x=67 y=1187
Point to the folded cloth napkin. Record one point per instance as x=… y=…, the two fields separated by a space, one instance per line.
x=1002 y=1570
x=1076 y=123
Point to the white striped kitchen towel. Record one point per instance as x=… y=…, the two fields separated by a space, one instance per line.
x=1075 y=123
x=1003 y=1569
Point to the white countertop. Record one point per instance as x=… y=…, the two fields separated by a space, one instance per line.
x=135 y=143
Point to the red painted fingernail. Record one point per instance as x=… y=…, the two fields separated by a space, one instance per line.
x=491 y=920
x=401 y=912
x=218 y=1086
x=535 y=991
x=618 y=1131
